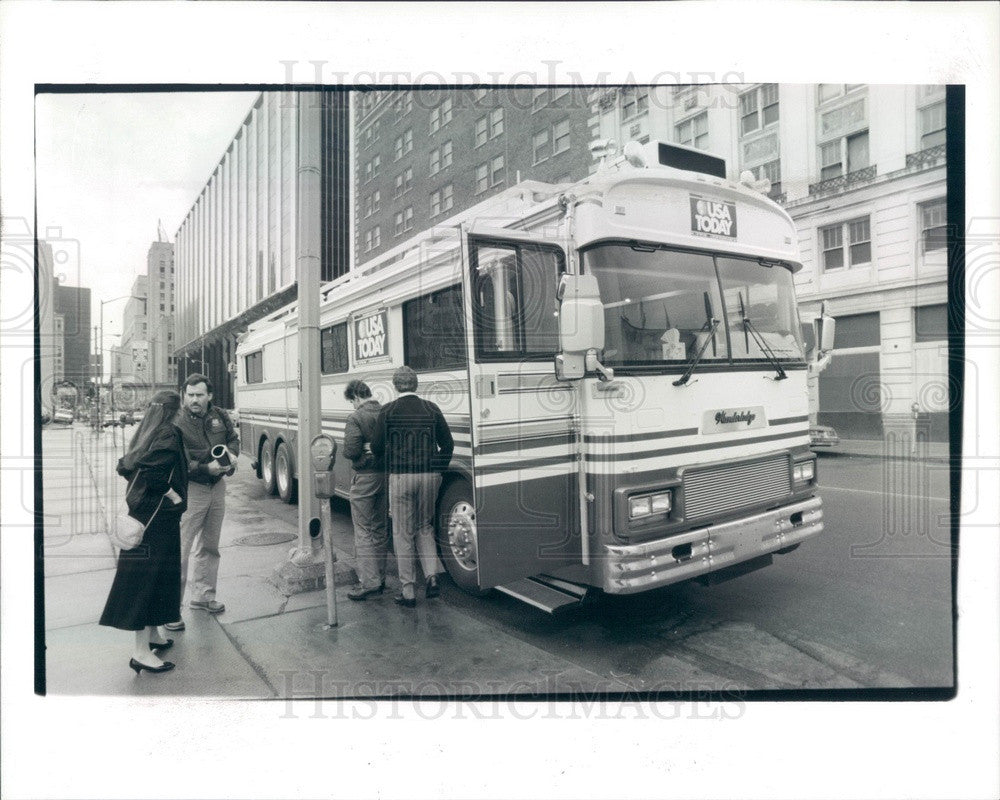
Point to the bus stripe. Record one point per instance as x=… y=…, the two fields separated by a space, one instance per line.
x=694 y=448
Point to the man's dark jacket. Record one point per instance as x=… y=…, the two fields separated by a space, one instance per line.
x=203 y=433
x=360 y=428
x=411 y=435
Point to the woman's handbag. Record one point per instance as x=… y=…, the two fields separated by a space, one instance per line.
x=126 y=531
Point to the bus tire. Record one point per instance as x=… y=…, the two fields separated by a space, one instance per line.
x=284 y=475
x=267 y=467
x=456 y=535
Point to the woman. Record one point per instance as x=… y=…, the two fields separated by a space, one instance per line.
x=146 y=591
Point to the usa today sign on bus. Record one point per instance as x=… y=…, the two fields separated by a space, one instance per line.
x=371 y=337
x=713 y=218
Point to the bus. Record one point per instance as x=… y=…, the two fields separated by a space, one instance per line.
x=621 y=364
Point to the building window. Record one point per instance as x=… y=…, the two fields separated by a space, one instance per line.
x=826 y=92
x=254 y=365
x=934 y=225
x=847 y=243
x=441 y=115
x=635 y=101
x=772 y=171
x=539 y=98
x=440 y=158
x=693 y=132
x=404 y=220
x=758 y=108
x=333 y=349
x=481 y=131
x=930 y=323
x=850 y=149
x=404 y=182
x=371 y=169
x=496 y=122
x=442 y=200
x=377 y=237
x=932 y=125
x=540 y=147
x=560 y=137
x=404 y=104
x=496 y=171
x=434 y=331
x=858 y=330
x=482 y=178
x=446 y=155
x=403 y=144
x=435 y=166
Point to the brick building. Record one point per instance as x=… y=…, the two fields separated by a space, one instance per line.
x=425 y=155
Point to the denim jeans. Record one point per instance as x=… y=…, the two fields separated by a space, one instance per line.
x=371 y=539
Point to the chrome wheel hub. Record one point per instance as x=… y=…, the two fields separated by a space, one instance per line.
x=462 y=535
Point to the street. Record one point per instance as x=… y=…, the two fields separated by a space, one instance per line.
x=865 y=605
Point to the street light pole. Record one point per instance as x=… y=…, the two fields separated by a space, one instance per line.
x=100 y=351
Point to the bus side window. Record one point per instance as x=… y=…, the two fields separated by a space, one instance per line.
x=515 y=299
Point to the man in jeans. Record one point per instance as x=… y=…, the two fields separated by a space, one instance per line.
x=368 y=495
x=413 y=440
x=203 y=427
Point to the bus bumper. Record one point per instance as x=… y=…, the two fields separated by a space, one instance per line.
x=640 y=567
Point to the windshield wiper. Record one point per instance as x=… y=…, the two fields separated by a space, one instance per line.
x=712 y=324
x=765 y=348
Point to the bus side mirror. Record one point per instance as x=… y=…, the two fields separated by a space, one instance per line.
x=827 y=328
x=581 y=324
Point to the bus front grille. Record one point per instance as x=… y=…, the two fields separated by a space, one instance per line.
x=727 y=487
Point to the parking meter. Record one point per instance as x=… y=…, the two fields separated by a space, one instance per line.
x=323 y=451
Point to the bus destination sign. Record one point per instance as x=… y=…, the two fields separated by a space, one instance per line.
x=371 y=337
x=713 y=217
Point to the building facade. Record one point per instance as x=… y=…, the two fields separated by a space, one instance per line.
x=74 y=347
x=861 y=170
x=235 y=252
x=423 y=156
x=135 y=335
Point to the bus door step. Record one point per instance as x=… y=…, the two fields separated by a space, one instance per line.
x=548 y=594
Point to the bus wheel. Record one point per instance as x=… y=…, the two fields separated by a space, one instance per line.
x=283 y=477
x=267 y=467
x=457 y=538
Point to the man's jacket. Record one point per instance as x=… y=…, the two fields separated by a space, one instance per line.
x=200 y=435
x=411 y=435
x=360 y=429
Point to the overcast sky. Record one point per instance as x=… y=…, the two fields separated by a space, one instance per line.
x=109 y=166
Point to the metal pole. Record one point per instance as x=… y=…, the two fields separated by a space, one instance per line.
x=96 y=404
x=307 y=224
x=330 y=558
x=100 y=365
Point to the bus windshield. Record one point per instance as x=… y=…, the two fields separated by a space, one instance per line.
x=659 y=305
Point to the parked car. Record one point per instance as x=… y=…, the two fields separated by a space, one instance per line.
x=823 y=436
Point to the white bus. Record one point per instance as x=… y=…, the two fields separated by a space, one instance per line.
x=621 y=364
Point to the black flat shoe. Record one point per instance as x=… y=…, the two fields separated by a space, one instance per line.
x=433 y=590
x=138 y=666
x=406 y=602
x=359 y=593
x=161 y=645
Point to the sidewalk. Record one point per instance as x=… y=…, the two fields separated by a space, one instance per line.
x=265 y=644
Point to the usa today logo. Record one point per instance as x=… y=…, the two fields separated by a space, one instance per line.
x=713 y=218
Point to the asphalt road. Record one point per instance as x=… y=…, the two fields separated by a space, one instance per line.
x=867 y=604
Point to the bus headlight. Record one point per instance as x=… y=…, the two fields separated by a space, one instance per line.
x=648 y=504
x=804 y=472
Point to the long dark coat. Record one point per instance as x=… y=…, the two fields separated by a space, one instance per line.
x=147 y=585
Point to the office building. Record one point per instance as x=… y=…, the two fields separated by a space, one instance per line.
x=235 y=253
x=423 y=156
x=861 y=171
x=74 y=358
